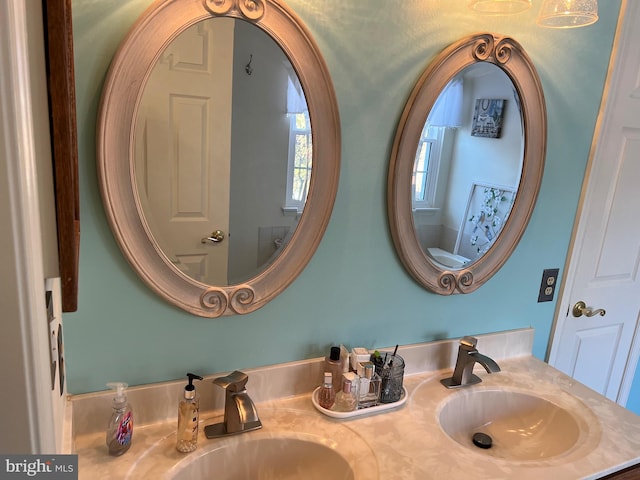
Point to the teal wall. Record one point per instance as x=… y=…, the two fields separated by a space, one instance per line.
x=354 y=290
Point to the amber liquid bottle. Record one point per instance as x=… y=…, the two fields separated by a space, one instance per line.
x=327 y=395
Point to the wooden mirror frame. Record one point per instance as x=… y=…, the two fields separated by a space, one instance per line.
x=131 y=66
x=508 y=55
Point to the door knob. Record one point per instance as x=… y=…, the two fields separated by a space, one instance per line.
x=580 y=308
x=216 y=237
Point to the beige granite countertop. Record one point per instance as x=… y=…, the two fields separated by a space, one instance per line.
x=403 y=443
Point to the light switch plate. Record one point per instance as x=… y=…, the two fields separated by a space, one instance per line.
x=51 y=331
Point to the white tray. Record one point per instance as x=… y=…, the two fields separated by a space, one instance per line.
x=361 y=411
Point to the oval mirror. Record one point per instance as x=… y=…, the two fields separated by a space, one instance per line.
x=467 y=163
x=222 y=151
x=218 y=151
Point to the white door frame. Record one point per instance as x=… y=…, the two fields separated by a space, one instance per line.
x=628 y=19
x=27 y=410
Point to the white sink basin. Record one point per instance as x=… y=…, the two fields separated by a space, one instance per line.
x=266 y=459
x=521 y=426
x=292 y=444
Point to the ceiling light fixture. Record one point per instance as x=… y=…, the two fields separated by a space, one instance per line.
x=568 y=13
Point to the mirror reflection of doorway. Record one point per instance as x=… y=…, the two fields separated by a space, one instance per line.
x=222 y=145
x=183 y=149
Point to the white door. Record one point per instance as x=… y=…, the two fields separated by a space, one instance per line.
x=183 y=149
x=600 y=351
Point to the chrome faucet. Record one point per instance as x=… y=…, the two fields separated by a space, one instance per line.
x=240 y=414
x=468 y=356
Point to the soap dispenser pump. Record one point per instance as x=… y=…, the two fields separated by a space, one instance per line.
x=120 y=427
x=188 y=413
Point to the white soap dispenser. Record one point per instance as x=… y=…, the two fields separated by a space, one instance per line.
x=120 y=428
x=188 y=413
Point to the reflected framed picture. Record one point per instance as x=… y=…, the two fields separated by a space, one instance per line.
x=488 y=208
x=487 y=117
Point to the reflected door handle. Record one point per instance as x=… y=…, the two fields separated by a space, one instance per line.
x=216 y=237
x=580 y=308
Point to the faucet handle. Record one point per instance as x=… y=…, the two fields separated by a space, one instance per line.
x=234 y=382
x=469 y=342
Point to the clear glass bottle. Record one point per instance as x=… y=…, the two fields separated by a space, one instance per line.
x=346 y=400
x=327 y=395
x=120 y=427
x=355 y=384
x=188 y=416
x=369 y=387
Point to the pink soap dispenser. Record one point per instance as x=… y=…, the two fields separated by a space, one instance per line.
x=120 y=427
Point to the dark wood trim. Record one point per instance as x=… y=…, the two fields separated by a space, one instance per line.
x=630 y=473
x=62 y=113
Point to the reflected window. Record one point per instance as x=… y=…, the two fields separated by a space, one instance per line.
x=300 y=148
x=426 y=167
x=446 y=116
x=300 y=159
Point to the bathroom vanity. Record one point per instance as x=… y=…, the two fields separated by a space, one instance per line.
x=566 y=430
